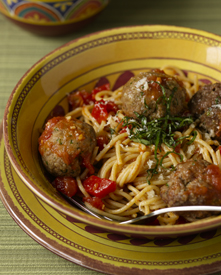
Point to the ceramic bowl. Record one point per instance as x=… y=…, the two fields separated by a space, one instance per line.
x=56 y=17
x=80 y=64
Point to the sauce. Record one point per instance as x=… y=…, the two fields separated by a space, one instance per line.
x=65 y=134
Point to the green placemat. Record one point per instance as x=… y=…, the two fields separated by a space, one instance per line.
x=19 y=50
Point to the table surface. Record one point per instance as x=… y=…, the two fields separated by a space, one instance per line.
x=19 y=50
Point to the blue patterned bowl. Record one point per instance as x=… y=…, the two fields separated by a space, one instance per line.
x=51 y=17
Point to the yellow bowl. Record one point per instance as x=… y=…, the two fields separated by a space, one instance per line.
x=52 y=17
x=79 y=64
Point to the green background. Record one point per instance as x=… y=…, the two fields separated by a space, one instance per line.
x=19 y=50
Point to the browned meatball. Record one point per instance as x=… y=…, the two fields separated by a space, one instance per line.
x=65 y=145
x=143 y=94
x=210 y=122
x=206 y=106
x=203 y=99
x=194 y=182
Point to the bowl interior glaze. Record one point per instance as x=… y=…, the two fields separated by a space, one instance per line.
x=80 y=64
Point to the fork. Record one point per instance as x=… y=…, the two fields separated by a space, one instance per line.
x=81 y=205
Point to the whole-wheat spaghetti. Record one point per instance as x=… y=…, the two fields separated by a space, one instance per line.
x=129 y=163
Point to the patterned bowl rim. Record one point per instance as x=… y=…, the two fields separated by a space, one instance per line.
x=57 y=23
x=180 y=229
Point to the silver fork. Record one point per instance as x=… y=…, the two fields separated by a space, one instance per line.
x=81 y=205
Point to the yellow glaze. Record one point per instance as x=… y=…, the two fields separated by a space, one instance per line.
x=81 y=244
x=79 y=64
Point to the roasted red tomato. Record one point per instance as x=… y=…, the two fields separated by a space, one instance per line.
x=79 y=99
x=105 y=87
x=102 y=140
x=99 y=187
x=87 y=97
x=49 y=127
x=86 y=163
x=124 y=129
x=66 y=185
x=99 y=111
x=213 y=176
x=102 y=109
x=95 y=202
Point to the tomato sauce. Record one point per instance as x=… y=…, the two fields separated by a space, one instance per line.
x=62 y=147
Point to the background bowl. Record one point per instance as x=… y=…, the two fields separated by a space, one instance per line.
x=56 y=17
x=79 y=64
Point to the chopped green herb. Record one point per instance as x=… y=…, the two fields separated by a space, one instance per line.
x=217 y=100
x=112 y=131
x=158 y=131
x=59 y=141
x=146 y=106
x=208 y=112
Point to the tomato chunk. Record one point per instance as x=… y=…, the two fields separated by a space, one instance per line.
x=75 y=100
x=86 y=163
x=99 y=187
x=66 y=185
x=105 y=87
x=102 y=140
x=111 y=106
x=102 y=109
x=95 y=202
x=125 y=128
x=79 y=99
x=99 y=111
x=49 y=128
x=87 y=97
x=213 y=175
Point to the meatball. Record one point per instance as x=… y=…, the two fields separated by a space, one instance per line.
x=204 y=98
x=205 y=105
x=210 y=122
x=194 y=182
x=65 y=145
x=142 y=94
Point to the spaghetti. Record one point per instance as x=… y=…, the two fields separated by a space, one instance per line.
x=138 y=168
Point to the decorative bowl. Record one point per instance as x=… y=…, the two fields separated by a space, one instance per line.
x=51 y=18
x=80 y=64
